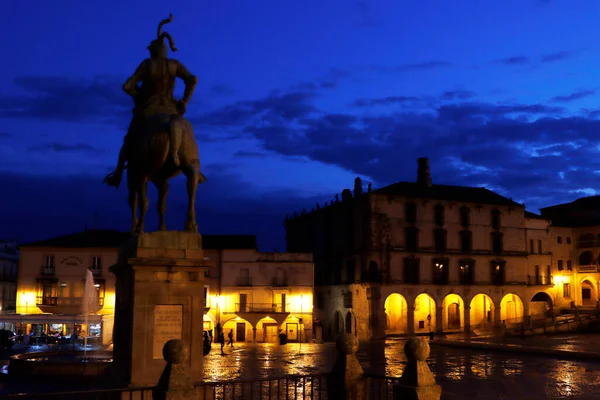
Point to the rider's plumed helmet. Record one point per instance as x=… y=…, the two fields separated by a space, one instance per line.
x=157 y=46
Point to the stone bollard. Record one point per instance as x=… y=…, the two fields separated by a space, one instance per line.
x=417 y=382
x=175 y=383
x=346 y=381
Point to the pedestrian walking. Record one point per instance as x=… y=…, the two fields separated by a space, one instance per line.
x=230 y=336
x=222 y=341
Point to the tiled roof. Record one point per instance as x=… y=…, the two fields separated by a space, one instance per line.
x=108 y=238
x=465 y=194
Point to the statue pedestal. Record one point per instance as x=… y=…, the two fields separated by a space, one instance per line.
x=159 y=297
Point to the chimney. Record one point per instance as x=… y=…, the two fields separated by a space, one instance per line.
x=423 y=175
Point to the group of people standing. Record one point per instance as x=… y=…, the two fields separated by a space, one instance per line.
x=220 y=338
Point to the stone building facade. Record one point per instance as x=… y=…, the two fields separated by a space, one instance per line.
x=259 y=295
x=576 y=251
x=253 y=289
x=9 y=263
x=415 y=257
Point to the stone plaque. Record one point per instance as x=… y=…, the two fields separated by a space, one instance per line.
x=168 y=324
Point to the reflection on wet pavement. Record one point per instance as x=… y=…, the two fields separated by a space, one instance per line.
x=462 y=373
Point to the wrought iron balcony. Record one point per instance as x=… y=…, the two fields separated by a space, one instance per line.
x=64 y=301
x=261 y=307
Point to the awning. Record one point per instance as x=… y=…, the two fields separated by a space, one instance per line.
x=52 y=318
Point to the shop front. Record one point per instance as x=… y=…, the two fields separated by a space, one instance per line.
x=59 y=329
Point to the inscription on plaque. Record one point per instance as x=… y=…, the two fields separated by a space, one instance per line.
x=168 y=324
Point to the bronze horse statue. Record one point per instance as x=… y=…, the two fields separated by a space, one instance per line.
x=153 y=163
x=160 y=143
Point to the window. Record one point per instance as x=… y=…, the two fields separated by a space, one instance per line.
x=496 y=220
x=466 y=272
x=568 y=239
x=566 y=290
x=531 y=247
x=465 y=217
x=539 y=246
x=412 y=238
x=439 y=215
x=569 y=265
x=244 y=277
x=466 y=241
x=440 y=271
x=498 y=272
x=560 y=265
x=411 y=270
x=497 y=243
x=440 y=240
x=205 y=296
x=410 y=213
x=49 y=261
x=559 y=239
x=96 y=262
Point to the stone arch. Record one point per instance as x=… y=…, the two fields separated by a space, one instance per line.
x=589 y=294
x=453 y=312
x=241 y=333
x=511 y=308
x=338 y=323
x=482 y=311
x=350 y=323
x=586 y=258
x=425 y=313
x=267 y=330
x=541 y=304
x=396 y=311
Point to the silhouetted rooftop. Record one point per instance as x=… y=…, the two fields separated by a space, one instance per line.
x=108 y=238
x=447 y=192
x=529 y=214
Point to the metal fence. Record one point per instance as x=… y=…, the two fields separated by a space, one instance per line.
x=304 y=387
x=290 y=387
x=142 y=393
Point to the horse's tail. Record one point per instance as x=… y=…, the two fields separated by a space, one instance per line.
x=175 y=132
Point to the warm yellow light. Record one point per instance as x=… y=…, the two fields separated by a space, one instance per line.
x=560 y=279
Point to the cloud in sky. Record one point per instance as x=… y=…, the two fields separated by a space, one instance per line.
x=573 y=96
x=510 y=147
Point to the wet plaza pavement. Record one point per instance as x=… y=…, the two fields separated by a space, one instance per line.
x=463 y=373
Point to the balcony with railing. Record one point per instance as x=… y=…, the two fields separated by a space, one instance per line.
x=65 y=305
x=588 y=268
x=262 y=308
x=539 y=280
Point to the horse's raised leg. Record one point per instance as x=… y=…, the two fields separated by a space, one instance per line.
x=192 y=173
x=161 y=206
x=133 y=203
x=143 y=202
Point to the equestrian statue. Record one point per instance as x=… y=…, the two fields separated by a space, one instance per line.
x=160 y=142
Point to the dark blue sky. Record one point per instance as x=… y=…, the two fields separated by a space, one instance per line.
x=296 y=99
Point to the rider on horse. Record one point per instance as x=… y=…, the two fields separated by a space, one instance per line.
x=155 y=97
